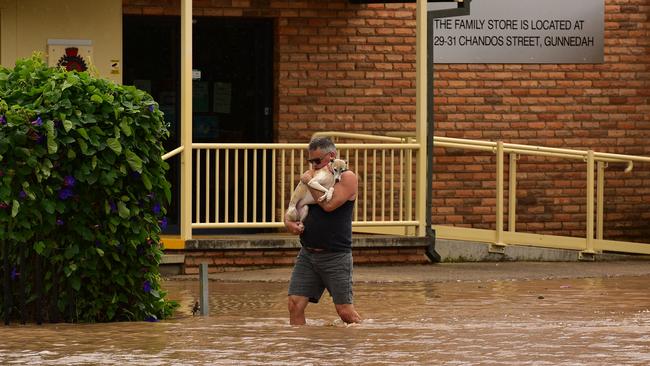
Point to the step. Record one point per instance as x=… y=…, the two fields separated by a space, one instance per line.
x=172 y=259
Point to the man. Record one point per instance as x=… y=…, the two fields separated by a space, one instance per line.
x=325 y=259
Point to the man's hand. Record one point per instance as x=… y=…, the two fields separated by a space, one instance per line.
x=294 y=227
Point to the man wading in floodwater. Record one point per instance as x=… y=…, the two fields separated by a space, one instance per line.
x=325 y=259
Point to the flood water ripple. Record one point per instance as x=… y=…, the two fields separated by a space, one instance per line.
x=600 y=321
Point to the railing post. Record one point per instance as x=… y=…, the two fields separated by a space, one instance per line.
x=204 y=290
x=498 y=246
x=590 y=203
x=421 y=116
x=512 y=193
x=409 y=189
x=600 y=198
x=186 y=120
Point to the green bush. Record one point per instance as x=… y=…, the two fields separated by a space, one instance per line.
x=82 y=196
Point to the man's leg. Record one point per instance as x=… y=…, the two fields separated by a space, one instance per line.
x=305 y=286
x=337 y=269
x=297 y=305
x=348 y=313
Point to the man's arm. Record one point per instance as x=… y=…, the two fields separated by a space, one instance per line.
x=344 y=190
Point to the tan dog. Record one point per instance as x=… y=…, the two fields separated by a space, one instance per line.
x=323 y=180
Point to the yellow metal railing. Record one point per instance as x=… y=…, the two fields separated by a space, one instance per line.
x=593 y=242
x=249 y=186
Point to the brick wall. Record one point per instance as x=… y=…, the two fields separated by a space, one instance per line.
x=350 y=67
x=604 y=107
x=225 y=260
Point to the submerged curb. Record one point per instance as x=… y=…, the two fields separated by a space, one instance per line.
x=453 y=272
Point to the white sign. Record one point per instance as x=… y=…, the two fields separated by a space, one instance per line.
x=73 y=54
x=521 y=31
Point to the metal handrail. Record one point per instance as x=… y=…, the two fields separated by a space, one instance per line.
x=595 y=186
x=359 y=136
x=538 y=150
x=279 y=146
x=176 y=151
x=363 y=153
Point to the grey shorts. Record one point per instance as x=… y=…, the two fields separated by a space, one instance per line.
x=315 y=272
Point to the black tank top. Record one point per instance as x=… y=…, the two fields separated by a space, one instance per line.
x=331 y=231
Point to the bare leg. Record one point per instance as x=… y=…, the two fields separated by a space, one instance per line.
x=347 y=313
x=297 y=305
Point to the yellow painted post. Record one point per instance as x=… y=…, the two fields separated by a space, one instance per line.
x=499 y=188
x=274 y=187
x=186 y=120
x=590 y=202
x=208 y=189
x=374 y=184
x=365 y=185
x=356 y=162
x=197 y=186
x=421 y=36
x=512 y=194
x=600 y=199
x=216 y=189
x=409 y=189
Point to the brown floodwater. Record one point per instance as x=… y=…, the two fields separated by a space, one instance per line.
x=604 y=321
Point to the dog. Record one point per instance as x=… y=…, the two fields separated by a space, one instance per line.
x=323 y=180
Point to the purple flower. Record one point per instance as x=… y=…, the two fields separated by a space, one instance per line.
x=113 y=206
x=22 y=195
x=163 y=223
x=151 y=318
x=65 y=193
x=59 y=222
x=146 y=286
x=69 y=181
x=37 y=122
x=156 y=209
x=3 y=120
x=151 y=108
x=135 y=175
x=14 y=274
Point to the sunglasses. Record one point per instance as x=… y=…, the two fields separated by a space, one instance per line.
x=316 y=161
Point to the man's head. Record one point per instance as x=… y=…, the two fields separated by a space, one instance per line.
x=321 y=151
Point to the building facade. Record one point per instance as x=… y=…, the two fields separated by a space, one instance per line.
x=278 y=71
